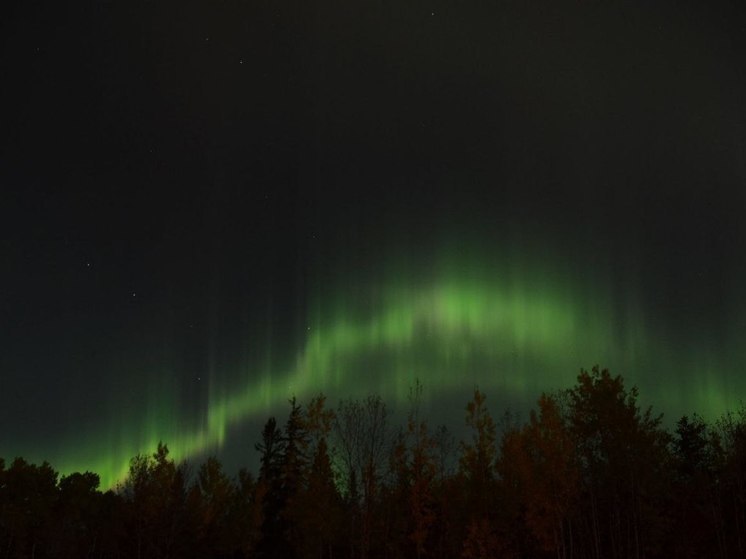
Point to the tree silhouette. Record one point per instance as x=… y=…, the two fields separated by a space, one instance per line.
x=317 y=509
x=294 y=465
x=362 y=435
x=588 y=475
x=155 y=495
x=271 y=493
x=538 y=464
x=694 y=505
x=730 y=454
x=477 y=468
x=28 y=494
x=216 y=494
x=623 y=459
x=77 y=511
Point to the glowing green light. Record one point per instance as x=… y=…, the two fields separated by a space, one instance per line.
x=516 y=329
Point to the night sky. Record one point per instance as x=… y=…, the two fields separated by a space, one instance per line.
x=208 y=206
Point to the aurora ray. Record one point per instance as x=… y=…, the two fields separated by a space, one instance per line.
x=513 y=331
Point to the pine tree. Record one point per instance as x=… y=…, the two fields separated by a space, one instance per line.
x=272 y=543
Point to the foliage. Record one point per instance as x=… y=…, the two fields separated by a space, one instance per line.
x=589 y=475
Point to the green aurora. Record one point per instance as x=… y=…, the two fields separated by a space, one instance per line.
x=512 y=330
x=210 y=210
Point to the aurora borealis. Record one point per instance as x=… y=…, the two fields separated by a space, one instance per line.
x=214 y=206
x=512 y=332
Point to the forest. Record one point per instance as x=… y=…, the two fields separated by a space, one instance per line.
x=587 y=474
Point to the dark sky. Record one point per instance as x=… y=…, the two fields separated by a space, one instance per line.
x=187 y=187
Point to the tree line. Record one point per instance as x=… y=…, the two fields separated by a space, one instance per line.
x=589 y=474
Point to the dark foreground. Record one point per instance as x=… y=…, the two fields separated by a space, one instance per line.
x=590 y=475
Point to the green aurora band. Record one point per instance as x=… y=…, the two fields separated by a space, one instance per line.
x=516 y=333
